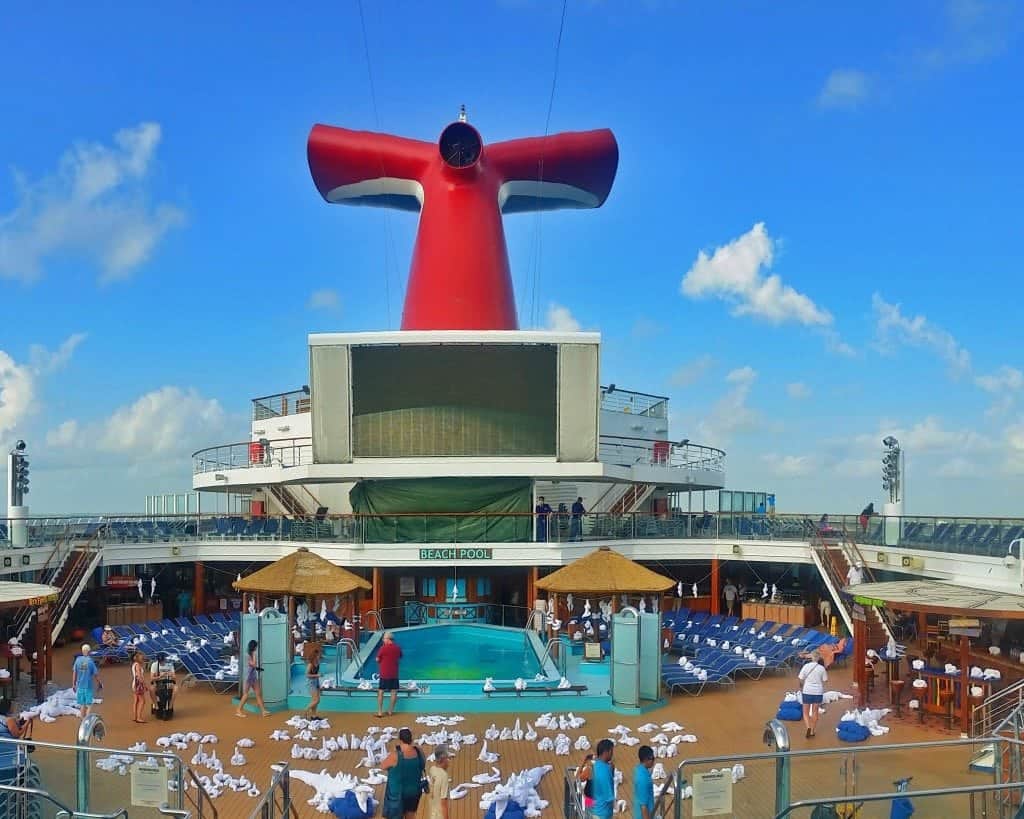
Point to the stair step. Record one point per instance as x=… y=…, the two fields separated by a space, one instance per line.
x=984 y=759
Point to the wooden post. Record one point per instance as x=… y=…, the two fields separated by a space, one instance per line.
x=199 y=589
x=965 y=684
x=44 y=662
x=377 y=588
x=922 y=629
x=291 y=626
x=860 y=640
x=531 y=587
x=716 y=592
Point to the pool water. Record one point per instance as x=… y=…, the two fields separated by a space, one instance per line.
x=461 y=652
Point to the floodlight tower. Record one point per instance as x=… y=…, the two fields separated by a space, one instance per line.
x=893 y=476
x=17 y=488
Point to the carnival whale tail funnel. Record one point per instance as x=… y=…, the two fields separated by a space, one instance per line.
x=460 y=145
x=459 y=277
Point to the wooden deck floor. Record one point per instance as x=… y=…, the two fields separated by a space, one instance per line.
x=726 y=722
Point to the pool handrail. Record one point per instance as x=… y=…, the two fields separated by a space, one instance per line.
x=560 y=666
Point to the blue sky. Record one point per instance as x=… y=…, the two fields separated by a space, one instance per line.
x=163 y=251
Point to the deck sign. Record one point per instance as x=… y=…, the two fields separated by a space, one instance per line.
x=457 y=553
x=149 y=785
x=712 y=793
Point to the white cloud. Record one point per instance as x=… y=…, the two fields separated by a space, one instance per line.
x=893 y=328
x=741 y=375
x=928 y=435
x=94 y=205
x=692 y=371
x=792 y=466
x=324 y=299
x=560 y=320
x=1013 y=448
x=844 y=88
x=169 y=421
x=64 y=435
x=731 y=415
x=19 y=382
x=1005 y=379
x=798 y=390
x=975 y=31
x=45 y=362
x=958 y=467
x=17 y=393
x=735 y=273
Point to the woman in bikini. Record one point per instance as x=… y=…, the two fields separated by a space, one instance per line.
x=138 y=687
x=252 y=681
x=313 y=679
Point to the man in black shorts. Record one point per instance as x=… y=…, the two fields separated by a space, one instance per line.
x=388 y=656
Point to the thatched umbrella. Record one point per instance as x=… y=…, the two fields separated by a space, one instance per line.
x=302 y=573
x=604 y=571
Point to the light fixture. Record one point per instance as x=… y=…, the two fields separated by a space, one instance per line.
x=684 y=442
x=25 y=560
x=7 y=563
x=305 y=388
x=20 y=446
x=890 y=441
x=219 y=477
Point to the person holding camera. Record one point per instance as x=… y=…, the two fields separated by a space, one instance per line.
x=11 y=728
x=404 y=766
x=252 y=681
x=813 y=676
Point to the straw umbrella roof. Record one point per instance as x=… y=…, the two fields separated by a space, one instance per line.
x=604 y=571
x=302 y=573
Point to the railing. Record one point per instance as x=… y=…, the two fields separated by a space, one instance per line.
x=416 y=613
x=254 y=455
x=202 y=802
x=991 y=715
x=572 y=799
x=47 y=575
x=612 y=449
x=634 y=403
x=65 y=773
x=799 y=779
x=463 y=528
x=276 y=802
x=84 y=561
x=284 y=403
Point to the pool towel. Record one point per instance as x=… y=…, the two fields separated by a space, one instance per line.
x=850 y=731
x=790 y=711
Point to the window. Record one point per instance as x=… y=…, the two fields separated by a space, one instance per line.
x=483 y=587
x=428 y=587
x=456 y=589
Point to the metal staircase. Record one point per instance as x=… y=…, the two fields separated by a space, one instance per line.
x=49 y=576
x=72 y=579
x=290 y=501
x=834 y=553
x=622 y=498
x=1001 y=715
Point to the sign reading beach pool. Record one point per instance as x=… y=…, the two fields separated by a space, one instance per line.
x=456 y=553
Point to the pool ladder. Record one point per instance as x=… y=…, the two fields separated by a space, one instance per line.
x=560 y=660
x=350 y=644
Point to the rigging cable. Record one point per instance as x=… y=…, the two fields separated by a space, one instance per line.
x=540 y=171
x=388 y=237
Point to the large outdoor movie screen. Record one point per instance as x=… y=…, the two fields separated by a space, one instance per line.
x=454 y=400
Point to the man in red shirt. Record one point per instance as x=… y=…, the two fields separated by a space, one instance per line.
x=388 y=656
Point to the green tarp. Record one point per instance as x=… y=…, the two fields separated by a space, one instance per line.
x=444 y=510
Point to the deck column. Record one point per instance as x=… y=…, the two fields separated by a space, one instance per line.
x=199 y=589
x=716 y=592
x=965 y=684
x=377 y=588
x=859 y=655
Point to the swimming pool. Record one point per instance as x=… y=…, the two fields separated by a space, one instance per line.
x=461 y=653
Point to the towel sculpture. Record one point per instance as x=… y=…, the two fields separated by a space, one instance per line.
x=857 y=726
